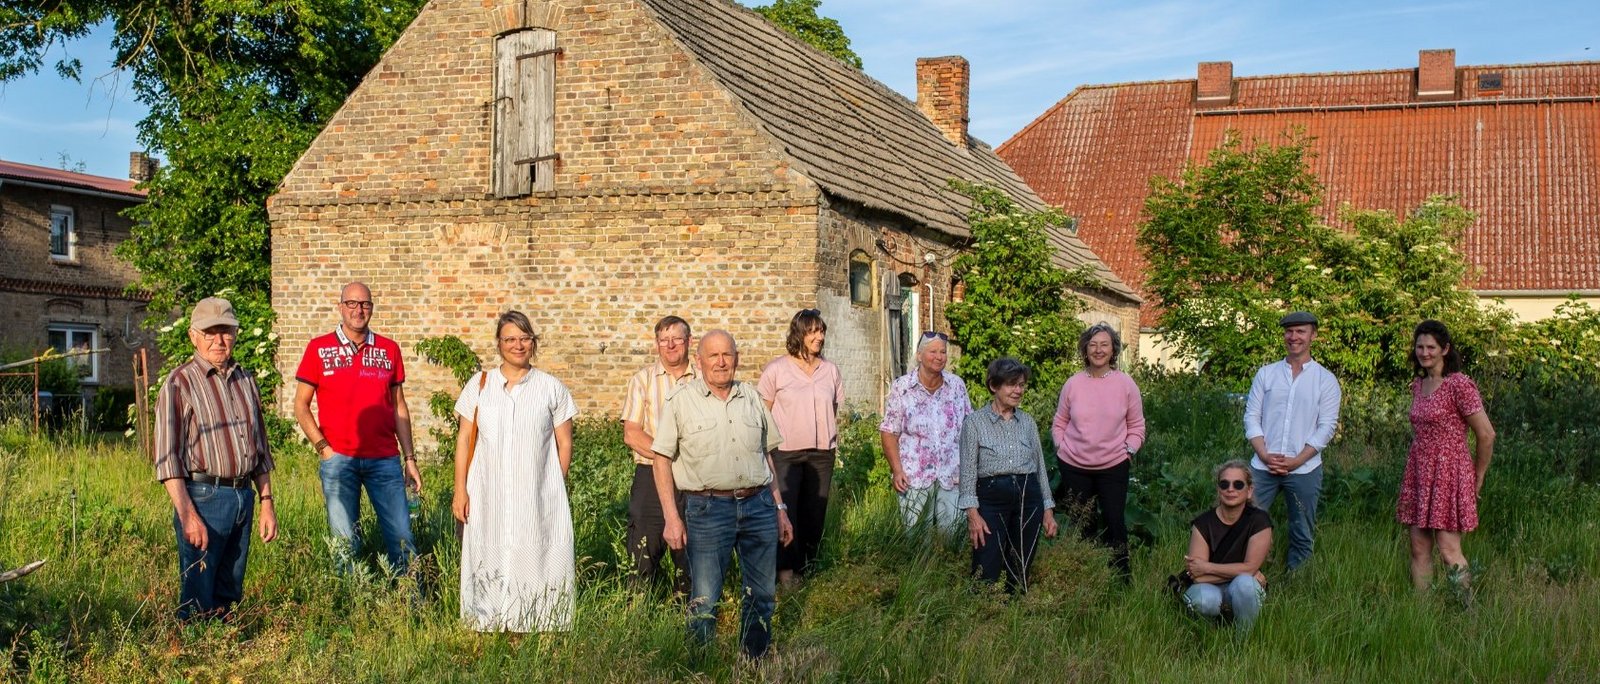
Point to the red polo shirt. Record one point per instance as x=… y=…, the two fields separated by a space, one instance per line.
x=353 y=381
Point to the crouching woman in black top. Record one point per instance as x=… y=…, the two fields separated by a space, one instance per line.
x=1226 y=548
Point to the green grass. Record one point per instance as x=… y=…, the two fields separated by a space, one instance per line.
x=883 y=609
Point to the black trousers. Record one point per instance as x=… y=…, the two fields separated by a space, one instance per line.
x=805 y=479
x=1099 y=499
x=1012 y=508
x=645 y=525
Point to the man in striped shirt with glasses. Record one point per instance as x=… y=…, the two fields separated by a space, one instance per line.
x=211 y=448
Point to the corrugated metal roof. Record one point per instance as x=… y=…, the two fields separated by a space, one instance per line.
x=855 y=137
x=69 y=180
x=1525 y=158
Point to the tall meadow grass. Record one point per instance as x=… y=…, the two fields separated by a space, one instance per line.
x=886 y=605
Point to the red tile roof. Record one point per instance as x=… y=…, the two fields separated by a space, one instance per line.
x=69 y=180
x=1525 y=158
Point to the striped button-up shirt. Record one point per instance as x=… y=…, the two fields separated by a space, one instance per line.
x=209 y=420
x=992 y=445
x=647 y=393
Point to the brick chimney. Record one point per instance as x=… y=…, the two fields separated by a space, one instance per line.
x=141 y=167
x=1436 y=75
x=1214 y=87
x=942 y=91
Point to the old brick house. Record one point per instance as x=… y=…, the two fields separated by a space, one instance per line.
x=61 y=285
x=1518 y=144
x=601 y=164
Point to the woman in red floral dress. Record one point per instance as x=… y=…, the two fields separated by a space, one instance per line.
x=1443 y=480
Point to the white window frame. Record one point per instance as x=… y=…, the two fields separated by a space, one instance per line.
x=73 y=331
x=71 y=217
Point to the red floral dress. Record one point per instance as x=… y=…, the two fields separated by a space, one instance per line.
x=1439 y=489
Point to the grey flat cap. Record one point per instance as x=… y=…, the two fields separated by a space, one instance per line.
x=212 y=312
x=1298 y=318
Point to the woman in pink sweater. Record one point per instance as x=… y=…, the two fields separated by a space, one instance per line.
x=1099 y=425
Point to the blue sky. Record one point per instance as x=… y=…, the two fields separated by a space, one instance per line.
x=1025 y=55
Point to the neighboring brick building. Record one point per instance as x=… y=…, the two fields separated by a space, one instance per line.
x=61 y=285
x=636 y=158
x=1517 y=144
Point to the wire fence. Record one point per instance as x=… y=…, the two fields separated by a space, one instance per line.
x=19 y=396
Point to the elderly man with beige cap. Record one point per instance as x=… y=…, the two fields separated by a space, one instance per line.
x=211 y=449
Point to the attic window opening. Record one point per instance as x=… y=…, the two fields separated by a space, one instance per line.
x=524 y=112
x=1494 y=81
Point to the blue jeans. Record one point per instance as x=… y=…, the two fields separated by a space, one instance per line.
x=1011 y=507
x=212 y=581
x=385 y=480
x=716 y=527
x=1243 y=595
x=1300 y=498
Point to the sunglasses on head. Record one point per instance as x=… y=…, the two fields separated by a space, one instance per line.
x=935 y=335
x=1238 y=485
x=810 y=312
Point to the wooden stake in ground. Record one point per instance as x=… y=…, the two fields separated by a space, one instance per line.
x=9 y=575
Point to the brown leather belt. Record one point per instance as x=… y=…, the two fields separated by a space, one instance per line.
x=229 y=482
x=745 y=493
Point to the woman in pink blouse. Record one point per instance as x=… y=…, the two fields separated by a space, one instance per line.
x=1099 y=425
x=1443 y=480
x=804 y=392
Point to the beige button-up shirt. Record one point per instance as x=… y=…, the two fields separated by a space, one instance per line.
x=647 y=393
x=716 y=444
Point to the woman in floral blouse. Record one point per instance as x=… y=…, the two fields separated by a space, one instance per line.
x=921 y=430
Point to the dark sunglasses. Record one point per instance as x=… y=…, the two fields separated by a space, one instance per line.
x=1237 y=484
x=935 y=335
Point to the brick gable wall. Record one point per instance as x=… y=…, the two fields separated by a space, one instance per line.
x=668 y=200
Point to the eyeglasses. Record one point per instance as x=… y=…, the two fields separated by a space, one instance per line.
x=671 y=341
x=223 y=335
x=357 y=304
x=1238 y=485
x=520 y=339
x=932 y=335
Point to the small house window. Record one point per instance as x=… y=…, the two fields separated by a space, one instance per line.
x=525 y=112
x=860 y=278
x=69 y=338
x=63 y=234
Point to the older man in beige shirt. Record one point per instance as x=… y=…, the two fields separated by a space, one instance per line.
x=714 y=441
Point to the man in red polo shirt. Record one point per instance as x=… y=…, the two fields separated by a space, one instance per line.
x=362 y=429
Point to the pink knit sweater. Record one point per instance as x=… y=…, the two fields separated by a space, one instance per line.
x=1099 y=421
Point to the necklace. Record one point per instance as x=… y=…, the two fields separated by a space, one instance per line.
x=1100 y=376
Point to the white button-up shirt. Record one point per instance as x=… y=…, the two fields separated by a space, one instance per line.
x=1292 y=412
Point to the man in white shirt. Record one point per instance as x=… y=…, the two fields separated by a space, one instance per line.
x=1289 y=418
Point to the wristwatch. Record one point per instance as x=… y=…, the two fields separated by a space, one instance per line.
x=783 y=507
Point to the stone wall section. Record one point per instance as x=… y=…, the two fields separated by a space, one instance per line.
x=858 y=338
x=593 y=274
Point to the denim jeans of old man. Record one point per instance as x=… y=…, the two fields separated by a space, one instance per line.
x=212 y=581
x=384 y=478
x=717 y=527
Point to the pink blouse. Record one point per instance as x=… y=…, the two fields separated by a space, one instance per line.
x=805 y=407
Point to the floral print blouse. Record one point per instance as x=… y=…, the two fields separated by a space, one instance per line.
x=929 y=426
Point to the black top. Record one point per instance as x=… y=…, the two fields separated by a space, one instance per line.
x=1228 y=542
